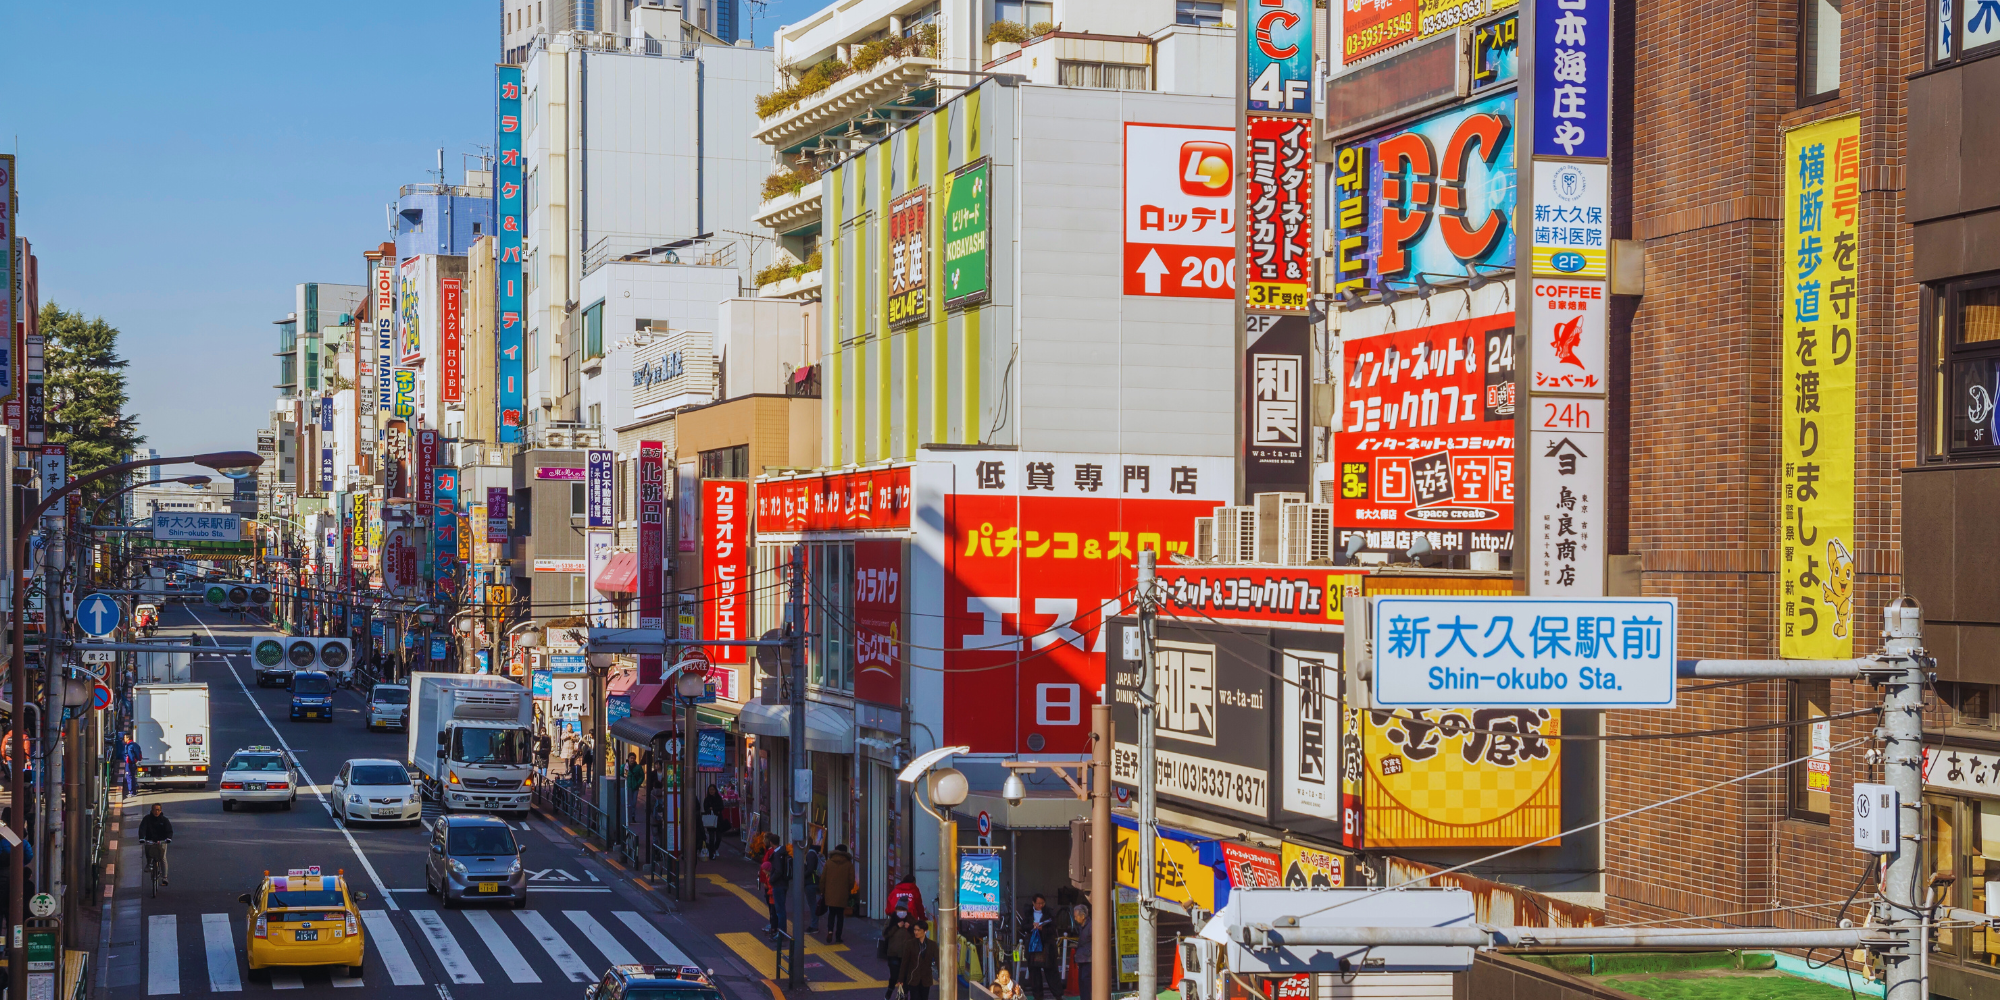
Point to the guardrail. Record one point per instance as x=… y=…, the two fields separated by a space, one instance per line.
x=552 y=797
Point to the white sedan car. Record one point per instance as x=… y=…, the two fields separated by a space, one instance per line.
x=376 y=790
x=260 y=774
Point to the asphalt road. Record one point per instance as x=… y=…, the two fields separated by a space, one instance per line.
x=581 y=917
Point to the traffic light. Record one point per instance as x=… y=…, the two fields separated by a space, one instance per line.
x=237 y=596
x=318 y=652
x=268 y=649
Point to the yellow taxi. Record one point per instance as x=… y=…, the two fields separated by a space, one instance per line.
x=303 y=918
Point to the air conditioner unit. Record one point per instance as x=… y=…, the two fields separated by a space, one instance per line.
x=1306 y=533
x=1235 y=534
x=1270 y=517
x=1204 y=538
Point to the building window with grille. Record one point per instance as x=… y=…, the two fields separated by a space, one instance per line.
x=1819 y=50
x=1198 y=13
x=1110 y=76
x=1811 y=779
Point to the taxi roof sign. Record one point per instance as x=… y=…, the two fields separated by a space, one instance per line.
x=312 y=872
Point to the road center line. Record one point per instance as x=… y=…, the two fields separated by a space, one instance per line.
x=228 y=662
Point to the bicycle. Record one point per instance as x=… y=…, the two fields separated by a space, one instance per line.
x=153 y=873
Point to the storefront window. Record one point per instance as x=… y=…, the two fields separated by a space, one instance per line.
x=830 y=593
x=1943 y=816
x=1982 y=861
x=1811 y=780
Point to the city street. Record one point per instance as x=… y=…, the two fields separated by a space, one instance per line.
x=582 y=915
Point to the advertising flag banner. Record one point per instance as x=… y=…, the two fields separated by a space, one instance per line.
x=1180 y=238
x=909 y=258
x=1424 y=444
x=979 y=887
x=509 y=305
x=451 y=361
x=878 y=621
x=1572 y=220
x=1432 y=197
x=968 y=221
x=725 y=567
x=599 y=469
x=1573 y=90
x=1280 y=56
x=1277 y=200
x=1821 y=311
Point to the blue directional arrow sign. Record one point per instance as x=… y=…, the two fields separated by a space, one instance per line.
x=98 y=615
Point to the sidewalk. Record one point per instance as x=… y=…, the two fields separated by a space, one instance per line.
x=730 y=906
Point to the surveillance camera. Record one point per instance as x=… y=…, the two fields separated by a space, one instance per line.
x=1013 y=790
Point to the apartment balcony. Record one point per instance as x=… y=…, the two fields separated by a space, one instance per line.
x=805 y=286
x=852 y=95
x=788 y=212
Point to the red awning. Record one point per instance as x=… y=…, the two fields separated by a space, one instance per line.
x=621 y=682
x=620 y=576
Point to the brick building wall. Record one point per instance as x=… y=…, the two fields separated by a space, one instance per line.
x=1709 y=90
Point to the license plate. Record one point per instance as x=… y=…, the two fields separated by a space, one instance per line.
x=489 y=887
x=311 y=935
x=253 y=787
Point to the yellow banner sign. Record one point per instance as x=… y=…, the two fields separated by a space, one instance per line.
x=1306 y=867
x=1178 y=874
x=1821 y=310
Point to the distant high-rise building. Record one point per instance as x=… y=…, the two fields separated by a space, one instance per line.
x=151 y=454
x=525 y=23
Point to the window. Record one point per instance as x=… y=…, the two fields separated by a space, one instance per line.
x=1819 y=50
x=1199 y=13
x=1963 y=360
x=726 y=463
x=1969 y=706
x=1110 y=76
x=475 y=229
x=1811 y=779
x=577 y=500
x=830 y=603
x=1024 y=11
x=593 y=331
x=1964 y=29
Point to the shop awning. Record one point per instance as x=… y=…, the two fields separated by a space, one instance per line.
x=828 y=730
x=621 y=682
x=643 y=729
x=620 y=576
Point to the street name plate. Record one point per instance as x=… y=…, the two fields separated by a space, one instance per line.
x=1523 y=652
x=99 y=656
x=197 y=527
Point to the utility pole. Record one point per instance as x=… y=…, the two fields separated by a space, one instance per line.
x=1149 y=920
x=801 y=771
x=1103 y=912
x=691 y=829
x=48 y=770
x=1902 y=763
x=947 y=900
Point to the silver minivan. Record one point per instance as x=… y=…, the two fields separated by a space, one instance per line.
x=475 y=858
x=389 y=707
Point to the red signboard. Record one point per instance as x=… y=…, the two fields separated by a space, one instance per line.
x=1369 y=26
x=725 y=567
x=1292 y=595
x=652 y=549
x=1277 y=199
x=451 y=360
x=1425 y=441
x=878 y=618
x=849 y=501
x=1250 y=867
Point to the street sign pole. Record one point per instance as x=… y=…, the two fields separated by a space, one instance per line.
x=1149 y=919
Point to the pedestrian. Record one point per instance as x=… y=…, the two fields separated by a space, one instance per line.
x=542 y=750
x=1037 y=941
x=919 y=962
x=711 y=821
x=131 y=762
x=155 y=830
x=1080 y=916
x=815 y=905
x=836 y=887
x=1004 y=987
x=890 y=949
x=764 y=866
x=781 y=885
x=587 y=753
x=635 y=776
x=569 y=754
x=905 y=896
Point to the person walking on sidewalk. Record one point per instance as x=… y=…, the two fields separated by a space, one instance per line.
x=905 y=896
x=712 y=807
x=781 y=885
x=130 y=766
x=1080 y=916
x=919 y=962
x=891 y=949
x=815 y=903
x=836 y=886
x=1038 y=938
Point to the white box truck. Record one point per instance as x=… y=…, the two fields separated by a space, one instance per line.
x=470 y=738
x=170 y=728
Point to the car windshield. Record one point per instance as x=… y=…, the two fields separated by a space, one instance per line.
x=380 y=774
x=392 y=696
x=490 y=841
x=305 y=899
x=639 y=992
x=491 y=746
x=256 y=762
x=312 y=684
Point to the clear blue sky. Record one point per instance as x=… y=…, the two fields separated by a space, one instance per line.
x=182 y=166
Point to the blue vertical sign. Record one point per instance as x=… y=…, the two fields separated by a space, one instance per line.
x=1280 y=56
x=510 y=334
x=326 y=470
x=979 y=887
x=1573 y=78
x=597 y=488
x=444 y=519
x=326 y=414
x=9 y=273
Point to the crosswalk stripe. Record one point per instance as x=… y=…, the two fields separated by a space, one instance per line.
x=454 y=961
x=220 y=944
x=595 y=933
x=163 y=954
x=389 y=945
x=517 y=967
x=653 y=938
x=558 y=949
x=348 y=981
x=287 y=979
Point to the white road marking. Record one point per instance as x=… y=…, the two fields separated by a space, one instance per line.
x=389 y=945
x=348 y=981
x=455 y=964
x=287 y=979
x=230 y=665
x=558 y=949
x=517 y=967
x=653 y=938
x=220 y=943
x=595 y=933
x=163 y=954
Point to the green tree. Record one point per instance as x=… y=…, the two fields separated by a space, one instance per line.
x=84 y=394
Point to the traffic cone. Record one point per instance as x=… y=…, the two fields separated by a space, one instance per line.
x=1178 y=973
x=1071 y=988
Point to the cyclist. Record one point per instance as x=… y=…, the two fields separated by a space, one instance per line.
x=156 y=831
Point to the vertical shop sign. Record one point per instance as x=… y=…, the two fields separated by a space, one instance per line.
x=405 y=405
x=686 y=516
x=385 y=343
x=1277 y=199
x=652 y=534
x=496 y=510
x=509 y=334
x=10 y=279
x=1566 y=497
x=409 y=305
x=326 y=470
x=909 y=258
x=597 y=546
x=1280 y=56
x=1180 y=233
x=1277 y=391
x=444 y=520
x=598 y=482
x=1570 y=324
x=358 y=517
x=725 y=567
x=1573 y=78
x=451 y=363
x=53 y=464
x=1572 y=211
x=968 y=222
x=28 y=348
x=878 y=617
x=1821 y=312
x=425 y=461
x=1309 y=763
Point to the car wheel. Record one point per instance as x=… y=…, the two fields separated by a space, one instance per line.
x=429 y=886
x=521 y=904
x=291 y=802
x=354 y=972
x=449 y=903
x=228 y=806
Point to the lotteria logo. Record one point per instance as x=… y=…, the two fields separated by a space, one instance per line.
x=1568 y=262
x=1205 y=168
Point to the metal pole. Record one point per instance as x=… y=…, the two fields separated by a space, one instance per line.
x=801 y=771
x=49 y=799
x=691 y=829
x=1149 y=921
x=18 y=736
x=1902 y=755
x=1103 y=913
x=947 y=906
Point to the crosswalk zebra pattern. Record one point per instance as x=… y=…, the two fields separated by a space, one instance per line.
x=463 y=947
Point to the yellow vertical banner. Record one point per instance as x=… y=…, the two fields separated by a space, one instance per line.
x=1821 y=311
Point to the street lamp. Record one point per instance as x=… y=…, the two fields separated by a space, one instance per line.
x=224 y=462
x=690 y=683
x=948 y=788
